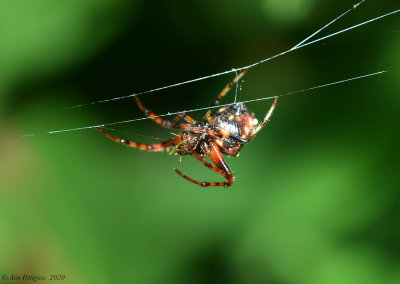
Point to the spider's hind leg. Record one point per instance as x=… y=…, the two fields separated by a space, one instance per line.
x=266 y=118
x=228 y=87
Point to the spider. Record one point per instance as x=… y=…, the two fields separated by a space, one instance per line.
x=224 y=132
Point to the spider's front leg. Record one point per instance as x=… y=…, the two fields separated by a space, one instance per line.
x=220 y=167
x=148 y=147
x=166 y=123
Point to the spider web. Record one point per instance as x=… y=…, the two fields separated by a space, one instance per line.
x=304 y=43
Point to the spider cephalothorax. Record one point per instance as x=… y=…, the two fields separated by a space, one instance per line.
x=224 y=132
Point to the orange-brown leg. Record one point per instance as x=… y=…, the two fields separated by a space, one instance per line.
x=148 y=147
x=267 y=117
x=220 y=167
x=228 y=87
x=166 y=123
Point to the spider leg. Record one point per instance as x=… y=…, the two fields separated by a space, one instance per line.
x=220 y=167
x=262 y=124
x=149 y=147
x=185 y=117
x=165 y=123
x=229 y=86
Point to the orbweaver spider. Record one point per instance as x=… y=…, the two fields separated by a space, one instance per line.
x=224 y=132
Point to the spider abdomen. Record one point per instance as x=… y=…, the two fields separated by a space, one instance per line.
x=234 y=125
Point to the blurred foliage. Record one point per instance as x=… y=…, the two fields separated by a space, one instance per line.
x=317 y=191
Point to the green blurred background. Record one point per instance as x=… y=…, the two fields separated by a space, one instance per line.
x=316 y=198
